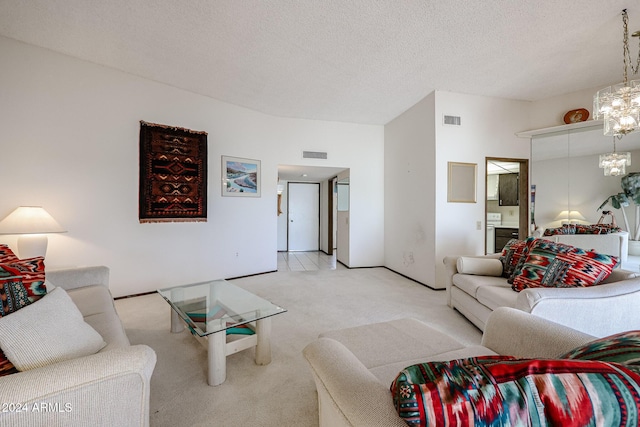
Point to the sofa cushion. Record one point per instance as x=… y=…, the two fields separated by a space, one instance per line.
x=620 y=348
x=383 y=343
x=501 y=390
x=470 y=284
x=550 y=264
x=386 y=373
x=96 y=305
x=497 y=296
x=32 y=272
x=618 y=275
x=479 y=266
x=47 y=331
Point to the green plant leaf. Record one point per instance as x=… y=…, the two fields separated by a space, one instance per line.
x=631 y=186
x=623 y=199
x=615 y=202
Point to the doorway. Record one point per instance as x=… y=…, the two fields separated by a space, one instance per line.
x=303 y=216
x=506 y=201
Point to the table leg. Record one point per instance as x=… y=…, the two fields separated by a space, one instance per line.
x=263 y=347
x=217 y=358
x=177 y=294
x=177 y=324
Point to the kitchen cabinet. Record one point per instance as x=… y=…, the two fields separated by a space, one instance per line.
x=508 y=189
x=492 y=187
x=503 y=235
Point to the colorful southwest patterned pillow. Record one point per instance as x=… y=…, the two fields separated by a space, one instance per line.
x=503 y=391
x=556 y=265
x=6 y=254
x=13 y=296
x=620 y=348
x=31 y=270
x=582 y=229
x=512 y=253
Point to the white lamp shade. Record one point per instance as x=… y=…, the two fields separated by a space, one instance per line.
x=570 y=216
x=30 y=220
x=35 y=222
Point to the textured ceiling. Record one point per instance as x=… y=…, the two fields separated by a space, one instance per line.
x=361 y=61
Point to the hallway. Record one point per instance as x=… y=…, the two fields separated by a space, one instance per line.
x=307 y=261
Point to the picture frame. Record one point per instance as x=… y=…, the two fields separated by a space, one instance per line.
x=240 y=177
x=462 y=182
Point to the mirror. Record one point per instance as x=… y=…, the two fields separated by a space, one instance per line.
x=570 y=185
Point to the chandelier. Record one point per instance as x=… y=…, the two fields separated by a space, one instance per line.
x=614 y=164
x=619 y=105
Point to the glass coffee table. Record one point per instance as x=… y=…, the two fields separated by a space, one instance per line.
x=230 y=318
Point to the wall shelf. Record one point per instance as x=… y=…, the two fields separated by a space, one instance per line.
x=562 y=128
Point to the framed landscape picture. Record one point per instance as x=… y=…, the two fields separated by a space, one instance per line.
x=240 y=177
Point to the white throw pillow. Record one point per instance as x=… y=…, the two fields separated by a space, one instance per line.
x=479 y=266
x=48 y=331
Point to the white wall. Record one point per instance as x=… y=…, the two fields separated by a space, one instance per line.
x=550 y=112
x=421 y=227
x=488 y=130
x=70 y=143
x=410 y=192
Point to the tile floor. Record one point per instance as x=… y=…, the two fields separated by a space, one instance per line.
x=306 y=261
x=317 y=260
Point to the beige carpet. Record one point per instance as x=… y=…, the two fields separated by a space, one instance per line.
x=281 y=393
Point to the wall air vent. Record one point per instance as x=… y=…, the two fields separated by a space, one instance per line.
x=314 y=155
x=452 y=120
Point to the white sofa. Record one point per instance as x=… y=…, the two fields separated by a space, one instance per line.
x=616 y=244
x=599 y=310
x=353 y=368
x=109 y=388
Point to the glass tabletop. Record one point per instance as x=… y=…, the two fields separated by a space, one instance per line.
x=217 y=306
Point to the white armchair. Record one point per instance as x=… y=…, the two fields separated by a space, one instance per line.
x=109 y=388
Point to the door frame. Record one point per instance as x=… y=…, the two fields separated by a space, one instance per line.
x=523 y=194
x=331 y=182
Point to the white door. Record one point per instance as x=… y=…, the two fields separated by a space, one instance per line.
x=304 y=216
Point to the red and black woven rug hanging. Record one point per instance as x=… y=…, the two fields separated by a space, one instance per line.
x=173 y=174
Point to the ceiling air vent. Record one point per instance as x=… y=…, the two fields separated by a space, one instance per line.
x=314 y=155
x=452 y=120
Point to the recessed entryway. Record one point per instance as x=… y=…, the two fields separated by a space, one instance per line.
x=307 y=261
x=506 y=201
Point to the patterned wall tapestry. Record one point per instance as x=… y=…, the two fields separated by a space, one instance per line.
x=173 y=174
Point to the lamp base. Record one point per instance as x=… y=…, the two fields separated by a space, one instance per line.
x=32 y=245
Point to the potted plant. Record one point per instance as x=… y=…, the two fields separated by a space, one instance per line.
x=631 y=193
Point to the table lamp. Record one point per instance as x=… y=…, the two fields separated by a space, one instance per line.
x=32 y=223
x=573 y=217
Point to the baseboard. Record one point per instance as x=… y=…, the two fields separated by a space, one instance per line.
x=228 y=278
x=414 y=280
